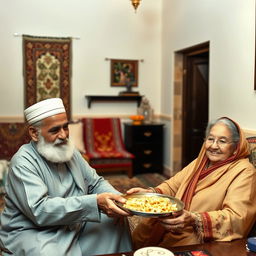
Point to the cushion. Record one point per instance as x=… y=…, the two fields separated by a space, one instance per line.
x=4 y=166
x=252 y=144
x=76 y=135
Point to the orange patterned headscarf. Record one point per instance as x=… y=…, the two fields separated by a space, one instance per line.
x=242 y=151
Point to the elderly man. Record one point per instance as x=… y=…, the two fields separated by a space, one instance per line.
x=56 y=204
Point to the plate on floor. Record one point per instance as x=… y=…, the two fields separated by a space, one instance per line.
x=151 y=204
x=153 y=251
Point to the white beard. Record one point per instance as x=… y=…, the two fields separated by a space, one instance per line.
x=55 y=152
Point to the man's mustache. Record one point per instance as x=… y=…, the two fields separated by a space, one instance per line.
x=60 y=142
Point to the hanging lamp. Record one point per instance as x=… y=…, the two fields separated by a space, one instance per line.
x=135 y=4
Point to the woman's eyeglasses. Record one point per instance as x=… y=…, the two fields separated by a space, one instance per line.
x=220 y=142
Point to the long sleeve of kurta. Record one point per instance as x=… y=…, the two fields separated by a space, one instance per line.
x=31 y=189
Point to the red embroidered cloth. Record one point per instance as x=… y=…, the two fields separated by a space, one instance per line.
x=103 y=138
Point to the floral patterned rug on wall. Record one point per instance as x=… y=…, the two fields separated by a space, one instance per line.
x=47 y=69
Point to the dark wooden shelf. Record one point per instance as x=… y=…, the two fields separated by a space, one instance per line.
x=91 y=98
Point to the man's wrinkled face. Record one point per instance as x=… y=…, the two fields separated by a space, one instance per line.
x=53 y=142
x=55 y=127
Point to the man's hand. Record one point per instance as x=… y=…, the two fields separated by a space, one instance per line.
x=106 y=204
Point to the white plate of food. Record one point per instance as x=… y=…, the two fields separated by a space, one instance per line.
x=153 y=251
x=151 y=204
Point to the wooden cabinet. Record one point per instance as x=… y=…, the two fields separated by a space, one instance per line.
x=145 y=141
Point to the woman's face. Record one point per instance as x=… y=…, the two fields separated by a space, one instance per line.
x=218 y=144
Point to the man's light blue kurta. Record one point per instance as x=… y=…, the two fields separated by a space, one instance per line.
x=51 y=209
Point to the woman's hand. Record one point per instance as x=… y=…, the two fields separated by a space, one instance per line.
x=106 y=204
x=178 y=221
x=138 y=190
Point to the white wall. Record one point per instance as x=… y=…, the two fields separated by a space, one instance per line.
x=107 y=28
x=229 y=25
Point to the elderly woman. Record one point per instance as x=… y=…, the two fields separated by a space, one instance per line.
x=218 y=189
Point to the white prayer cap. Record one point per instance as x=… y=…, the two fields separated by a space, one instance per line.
x=43 y=109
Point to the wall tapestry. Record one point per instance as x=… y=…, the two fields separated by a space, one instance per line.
x=47 y=69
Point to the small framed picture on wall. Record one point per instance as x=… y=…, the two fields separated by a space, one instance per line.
x=124 y=72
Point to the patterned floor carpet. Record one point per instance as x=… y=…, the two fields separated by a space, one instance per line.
x=122 y=183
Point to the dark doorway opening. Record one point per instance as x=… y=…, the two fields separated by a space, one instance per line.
x=195 y=98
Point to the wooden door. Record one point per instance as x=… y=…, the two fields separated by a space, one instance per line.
x=195 y=102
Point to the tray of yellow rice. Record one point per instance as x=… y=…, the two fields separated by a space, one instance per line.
x=151 y=204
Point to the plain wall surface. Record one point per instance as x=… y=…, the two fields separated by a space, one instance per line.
x=106 y=28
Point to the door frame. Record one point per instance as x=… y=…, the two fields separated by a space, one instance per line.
x=179 y=81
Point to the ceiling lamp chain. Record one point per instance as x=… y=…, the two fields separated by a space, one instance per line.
x=135 y=4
